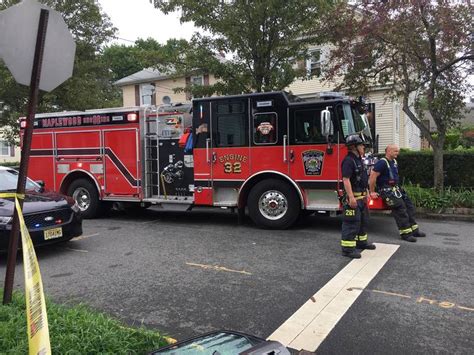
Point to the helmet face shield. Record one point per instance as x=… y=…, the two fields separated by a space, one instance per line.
x=354 y=139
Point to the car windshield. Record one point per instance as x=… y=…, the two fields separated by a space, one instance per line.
x=352 y=121
x=9 y=179
x=216 y=343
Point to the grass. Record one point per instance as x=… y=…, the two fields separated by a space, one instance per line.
x=74 y=330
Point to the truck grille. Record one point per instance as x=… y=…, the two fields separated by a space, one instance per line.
x=38 y=220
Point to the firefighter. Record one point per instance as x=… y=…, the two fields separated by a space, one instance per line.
x=355 y=211
x=384 y=181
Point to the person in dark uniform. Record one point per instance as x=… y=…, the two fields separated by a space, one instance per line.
x=385 y=181
x=355 y=211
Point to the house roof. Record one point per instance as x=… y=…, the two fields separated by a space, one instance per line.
x=149 y=75
x=142 y=76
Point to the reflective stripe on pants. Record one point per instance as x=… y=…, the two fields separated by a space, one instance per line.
x=402 y=210
x=354 y=225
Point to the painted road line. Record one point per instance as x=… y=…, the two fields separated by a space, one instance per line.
x=78 y=250
x=310 y=325
x=391 y=293
x=219 y=268
x=82 y=237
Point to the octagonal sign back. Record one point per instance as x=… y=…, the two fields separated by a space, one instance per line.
x=18 y=32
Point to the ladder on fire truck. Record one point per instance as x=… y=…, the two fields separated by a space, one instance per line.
x=151 y=186
x=151 y=166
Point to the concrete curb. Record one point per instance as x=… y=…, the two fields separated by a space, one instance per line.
x=435 y=216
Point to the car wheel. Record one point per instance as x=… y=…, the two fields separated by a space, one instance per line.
x=273 y=204
x=86 y=196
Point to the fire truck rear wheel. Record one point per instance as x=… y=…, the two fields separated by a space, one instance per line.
x=86 y=196
x=273 y=204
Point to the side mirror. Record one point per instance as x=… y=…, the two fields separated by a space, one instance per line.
x=327 y=128
x=41 y=185
x=366 y=129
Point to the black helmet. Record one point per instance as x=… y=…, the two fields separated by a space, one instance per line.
x=354 y=139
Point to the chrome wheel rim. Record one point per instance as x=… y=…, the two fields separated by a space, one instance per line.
x=273 y=205
x=82 y=197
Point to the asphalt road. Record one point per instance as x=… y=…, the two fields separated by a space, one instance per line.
x=190 y=273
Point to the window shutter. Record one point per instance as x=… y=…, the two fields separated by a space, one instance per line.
x=137 y=95
x=12 y=150
x=188 y=84
x=301 y=64
x=206 y=80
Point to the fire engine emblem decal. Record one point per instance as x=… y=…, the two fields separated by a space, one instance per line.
x=265 y=128
x=313 y=162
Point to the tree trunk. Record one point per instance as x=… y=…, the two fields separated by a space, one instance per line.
x=438 y=165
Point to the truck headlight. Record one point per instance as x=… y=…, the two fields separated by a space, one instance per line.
x=5 y=220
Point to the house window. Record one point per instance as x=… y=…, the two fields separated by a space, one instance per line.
x=197 y=80
x=146 y=93
x=314 y=63
x=5 y=149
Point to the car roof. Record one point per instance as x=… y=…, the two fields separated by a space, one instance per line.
x=6 y=168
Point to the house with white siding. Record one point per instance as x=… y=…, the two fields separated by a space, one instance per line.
x=8 y=152
x=149 y=86
x=391 y=123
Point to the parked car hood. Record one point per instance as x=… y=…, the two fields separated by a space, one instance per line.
x=36 y=202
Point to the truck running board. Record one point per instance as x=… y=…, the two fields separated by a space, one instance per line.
x=159 y=204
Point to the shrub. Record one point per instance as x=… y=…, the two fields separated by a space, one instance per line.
x=13 y=164
x=416 y=167
x=433 y=200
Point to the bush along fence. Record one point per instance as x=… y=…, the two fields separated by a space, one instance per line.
x=450 y=200
x=14 y=164
x=417 y=168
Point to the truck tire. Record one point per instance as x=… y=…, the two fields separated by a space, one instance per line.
x=85 y=194
x=273 y=204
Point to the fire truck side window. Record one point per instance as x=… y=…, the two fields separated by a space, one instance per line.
x=231 y=124
x=265 y=128
x=308 y=126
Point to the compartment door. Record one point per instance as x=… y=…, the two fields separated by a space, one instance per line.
x=122 y=162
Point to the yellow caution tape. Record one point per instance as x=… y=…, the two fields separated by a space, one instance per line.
x=37 y=319
x=12 y=195
x=170 y=341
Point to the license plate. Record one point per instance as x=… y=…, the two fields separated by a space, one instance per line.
x=53 y=233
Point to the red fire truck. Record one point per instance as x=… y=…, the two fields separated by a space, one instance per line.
x=272 y=153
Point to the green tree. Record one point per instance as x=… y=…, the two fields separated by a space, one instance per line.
x=123 y=60
x=421 y=51
x=261 y=40
x=90 y=86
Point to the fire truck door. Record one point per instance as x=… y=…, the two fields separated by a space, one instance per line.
x=121 y=162
x=202 y=153
x=230 y=148
x=269 y=135
x=314 y=164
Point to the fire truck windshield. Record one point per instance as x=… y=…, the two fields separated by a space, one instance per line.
x=354 y=122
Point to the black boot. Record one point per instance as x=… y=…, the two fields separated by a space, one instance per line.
x=408 y=237
x=418 y=234
x=351 y=253
x=368 y=246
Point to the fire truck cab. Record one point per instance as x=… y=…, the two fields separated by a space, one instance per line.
x=272 y=153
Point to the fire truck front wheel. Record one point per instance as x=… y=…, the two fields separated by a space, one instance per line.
x=273 y=204
x=86 y=196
